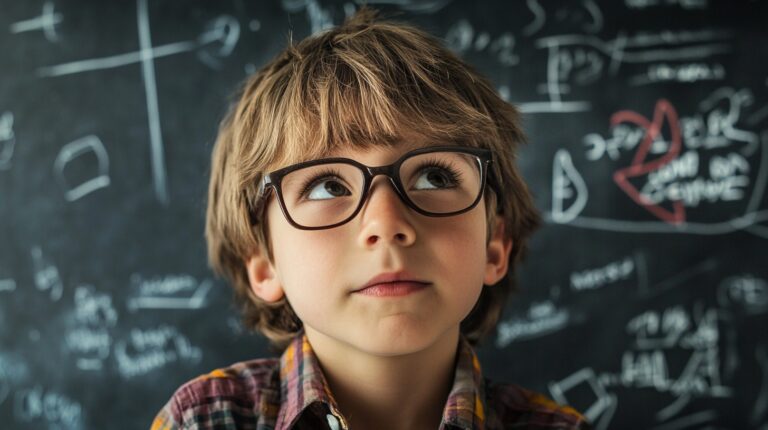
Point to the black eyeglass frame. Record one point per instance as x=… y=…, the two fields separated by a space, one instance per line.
x=273 y=181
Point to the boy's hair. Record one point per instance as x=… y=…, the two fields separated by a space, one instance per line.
x=357 y=85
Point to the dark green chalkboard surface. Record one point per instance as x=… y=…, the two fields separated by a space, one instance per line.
x=644 y=299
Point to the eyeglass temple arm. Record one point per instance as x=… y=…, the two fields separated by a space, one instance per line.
x=256 y=207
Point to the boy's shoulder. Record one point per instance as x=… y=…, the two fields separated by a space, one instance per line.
x=244 y=392
x=514 y=405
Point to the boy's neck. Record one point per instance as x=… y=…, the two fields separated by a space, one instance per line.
x=402 y=392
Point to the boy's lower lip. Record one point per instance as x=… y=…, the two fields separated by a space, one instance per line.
x=390 y=289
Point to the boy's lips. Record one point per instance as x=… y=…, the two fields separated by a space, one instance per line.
x=400 y=281
x=392 y=289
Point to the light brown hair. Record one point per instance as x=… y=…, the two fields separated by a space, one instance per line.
x=362 y=83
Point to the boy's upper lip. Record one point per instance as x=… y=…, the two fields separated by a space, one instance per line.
x=400 y=276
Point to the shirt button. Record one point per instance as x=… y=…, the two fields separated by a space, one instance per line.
x=333 y=422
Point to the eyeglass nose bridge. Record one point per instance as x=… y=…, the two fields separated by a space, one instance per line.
x=391 y=171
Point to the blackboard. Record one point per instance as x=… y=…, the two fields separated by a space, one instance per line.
x=644 y=298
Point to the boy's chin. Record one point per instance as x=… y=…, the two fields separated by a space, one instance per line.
x=392 y=343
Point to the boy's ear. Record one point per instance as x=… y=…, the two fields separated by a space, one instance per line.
x=263 y=278
x=499 y=248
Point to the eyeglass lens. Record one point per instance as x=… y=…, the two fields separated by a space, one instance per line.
x=436 y=182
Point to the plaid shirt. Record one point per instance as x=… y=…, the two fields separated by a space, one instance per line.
x=292 y=393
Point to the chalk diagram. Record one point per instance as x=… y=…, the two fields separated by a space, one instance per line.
x=675 y=172
x=217 y=41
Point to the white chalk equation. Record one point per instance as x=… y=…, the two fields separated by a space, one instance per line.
x=169 y=292
x=681 y=167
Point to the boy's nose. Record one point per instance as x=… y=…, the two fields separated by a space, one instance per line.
x=385 y=216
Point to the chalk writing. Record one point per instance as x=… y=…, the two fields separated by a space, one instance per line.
x=685 y=4
x=46 y=21
x=596 y=278
x=567 y=184
x=688 y=73
x=542 y=319
x=666 y=136
x=659 y=334
x=682 y=178
x=746 y=292
x=575 y=59
x=46 y=275
x=169 y=292
x=94 y=308
x=90 y=339
x=168 y=284
x=91 y=344
x=539 y=17
x=724 y=109
x=76 y=150
x=224 y=29
x=146 y=350
x=461 y=38
x=7 y=140
x=652 y=330
x=585 y=15
x=37 y=403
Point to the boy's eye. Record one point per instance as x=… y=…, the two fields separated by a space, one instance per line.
x=436 y=178
x=324 y=189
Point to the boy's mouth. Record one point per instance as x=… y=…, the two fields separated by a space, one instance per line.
x=392 y=283
x=389 y=289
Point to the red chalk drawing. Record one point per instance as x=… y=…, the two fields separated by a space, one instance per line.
x=663 y=113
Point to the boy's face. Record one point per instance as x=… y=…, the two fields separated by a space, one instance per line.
x=319 y=270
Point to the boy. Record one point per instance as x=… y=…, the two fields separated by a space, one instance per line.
x=377 y=281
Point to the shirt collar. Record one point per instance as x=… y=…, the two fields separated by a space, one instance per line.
x=303 y=384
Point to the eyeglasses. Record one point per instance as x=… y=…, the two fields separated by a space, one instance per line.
x=435 y=181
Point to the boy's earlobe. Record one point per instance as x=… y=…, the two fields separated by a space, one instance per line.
x=263 y=279
x=498 y=251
